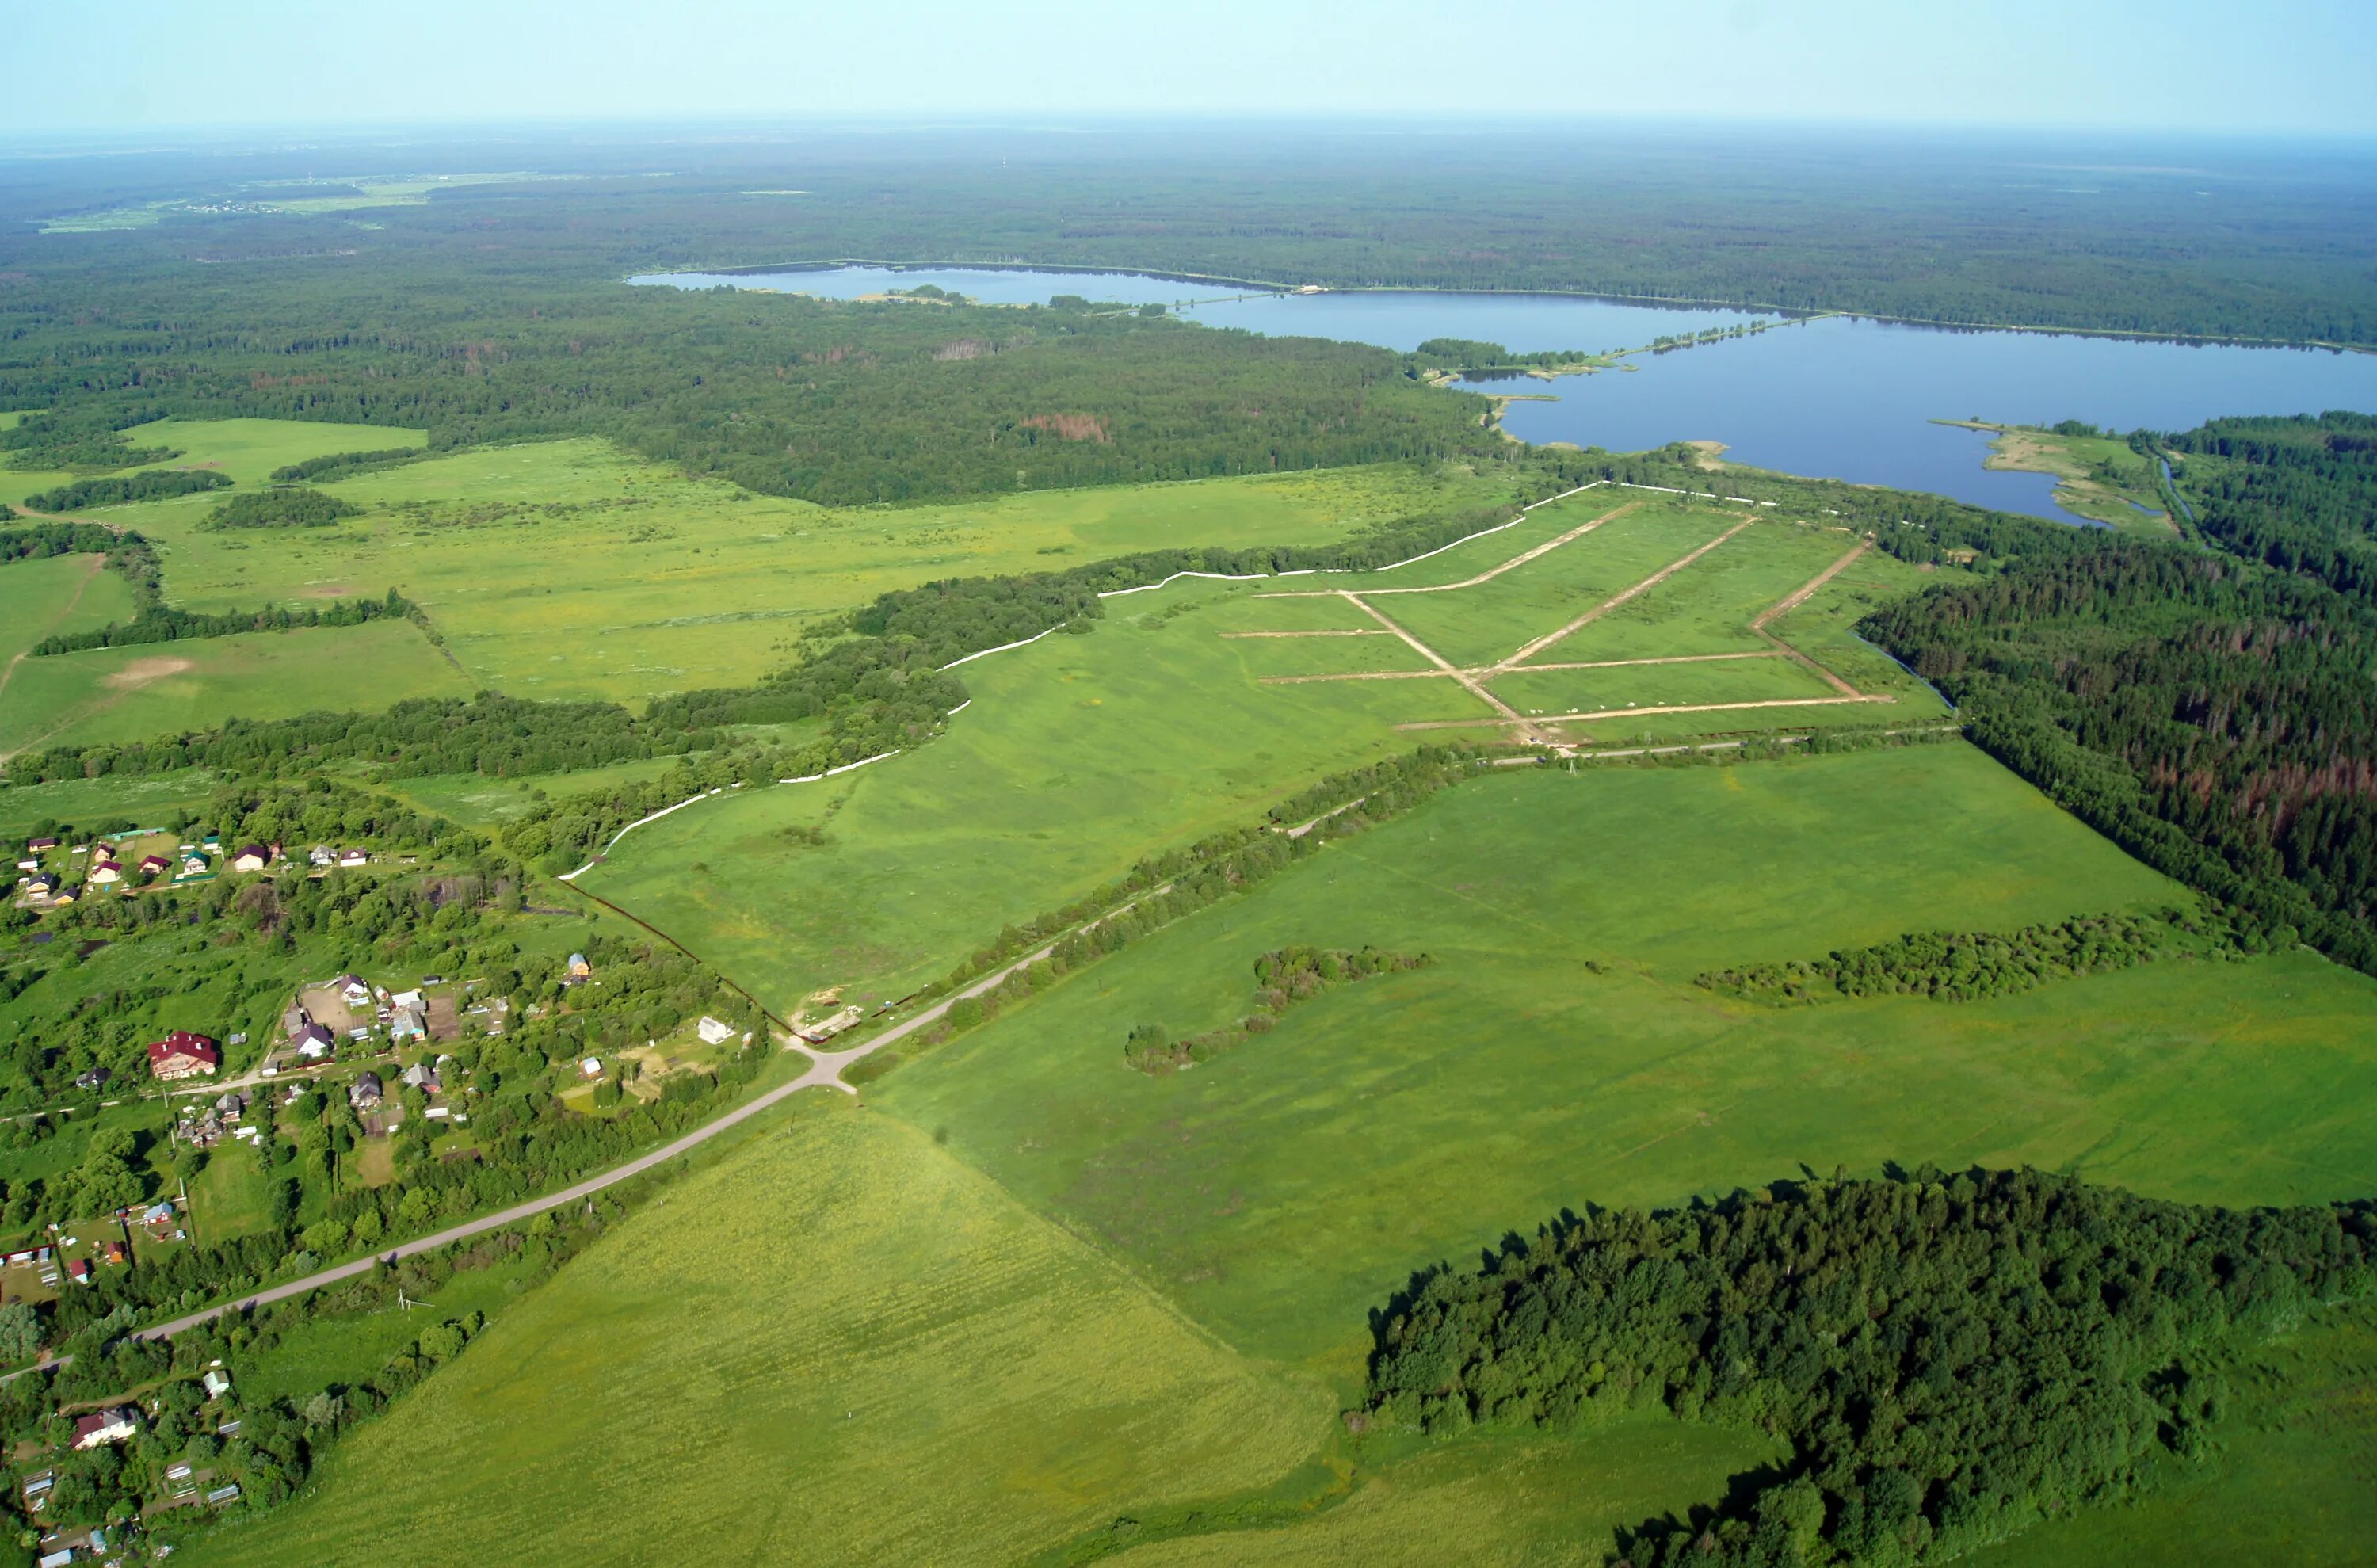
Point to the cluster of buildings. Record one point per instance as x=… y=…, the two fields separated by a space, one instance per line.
x=52 y=874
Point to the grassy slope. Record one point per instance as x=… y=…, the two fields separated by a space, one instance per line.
x=1081 y=754
x=62 y=593
x=159 y=688
x=1282 y=1191
x=566 y=568
x=837 y=1345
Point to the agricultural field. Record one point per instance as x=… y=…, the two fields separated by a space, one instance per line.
x=571 y=570
x=142 y=799
x=247 y=450
x=1171 y=720
x=835 y=1313
x=113 y=694
x=1556 y=1053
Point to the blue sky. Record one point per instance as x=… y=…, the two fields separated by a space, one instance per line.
x=2278 y=65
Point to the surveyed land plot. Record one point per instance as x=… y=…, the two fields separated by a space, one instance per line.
x=1643 y=606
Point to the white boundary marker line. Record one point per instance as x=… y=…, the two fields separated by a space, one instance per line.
x=1002 y=648
x=639 y=822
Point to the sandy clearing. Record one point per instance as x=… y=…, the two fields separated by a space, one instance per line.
x=141 y=672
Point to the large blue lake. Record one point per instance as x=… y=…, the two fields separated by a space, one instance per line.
x=1838 y=398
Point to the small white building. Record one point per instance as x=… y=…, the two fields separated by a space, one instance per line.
x=712 y=1032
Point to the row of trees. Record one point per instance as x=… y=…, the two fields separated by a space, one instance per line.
x=148 y=484
x=1282 y=979
x=1970 y=966
x=1947 y=1359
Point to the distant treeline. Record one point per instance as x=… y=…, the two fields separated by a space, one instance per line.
x=1970 y=966
x=1283 y=979
x=148 y=484
x=1946 y=1361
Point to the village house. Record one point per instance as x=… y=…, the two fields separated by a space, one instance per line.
x=28 y=864
x=321 y=854
x=312 y=1041
x=579 y=969
x=251 y=858
x=102 y=851
x=41 y=884
x=78 y=1270
x=154 y=865
x=294 y=1017
x=424 y=1077
x=95 y=1079
x=365 y=1091
x=38 y=845
x=194 y=866
x=217 y=1383
x=184 y=1055
x=231 y=1106
x=354 y=858
x=406 y=1024
x=713 y=1031
x=116 y=1425
x=352 y=991
x=103 y=872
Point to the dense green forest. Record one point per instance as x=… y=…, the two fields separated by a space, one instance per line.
x=288 y=506
x=1949 y=1359
x=2191 y=236
x=2214 y=716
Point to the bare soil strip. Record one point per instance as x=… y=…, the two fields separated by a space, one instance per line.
x=1670 y=659
x=1644 y=712
x=1594 y=613
x=1793 y=602
x=1447 y=674
x=1579 y=532
x=1353 y=632
x=1439 y=659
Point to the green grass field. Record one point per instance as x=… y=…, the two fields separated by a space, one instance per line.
x=152 y=797
x=53 y=597
x=1557 y=1054
x=838 y=1344
x=116 y=694
x=567 y=569
x=246 y=449
x=1081 y=754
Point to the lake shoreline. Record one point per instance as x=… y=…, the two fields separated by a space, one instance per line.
x=1656 y=301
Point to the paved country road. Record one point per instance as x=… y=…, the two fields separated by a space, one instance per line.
x=824 y=1072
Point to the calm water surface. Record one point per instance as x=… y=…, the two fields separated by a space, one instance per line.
x=1838 y=398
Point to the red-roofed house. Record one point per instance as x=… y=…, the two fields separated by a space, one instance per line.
x=184 y=1055
x=154 y=865
x=106 y=1426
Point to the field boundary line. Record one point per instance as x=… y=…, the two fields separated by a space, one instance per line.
x=1439 y=659
x=1792 y=601
x=1516 y=660
x=639 y=822
x=1668 y=659
x=1487 y=576
x=1348 y=631
x=1644 y=713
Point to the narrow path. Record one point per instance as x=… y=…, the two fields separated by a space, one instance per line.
x=1351 y=631
x=1439 y=659
x=824 y=1072
x=1594 y=613
x=1489 y=575
x=1644 y=713
x=1792 y=601
x=97 y=562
